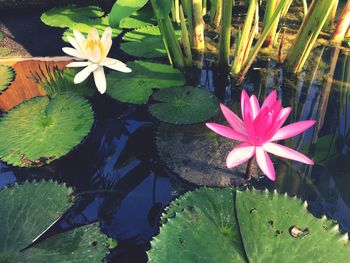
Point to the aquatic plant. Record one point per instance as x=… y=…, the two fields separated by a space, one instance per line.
x=308 y=33
x=124 y=8
x=138 y=86
x=41 y=130
x=27 y=210
x=95 y=51
x=245 y=226
x=7 y=76
x=183 y=105
x=259 y=130
x=342 y=25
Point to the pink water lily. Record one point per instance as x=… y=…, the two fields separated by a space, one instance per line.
x=259 y=131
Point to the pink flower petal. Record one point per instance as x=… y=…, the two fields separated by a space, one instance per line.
x=255 y=106
x=234 y=121
x=244 y=98
x=270 y=99
x=249 y=126
x=239 y=155
x=292 y=130
x=285 y=152
x=277 y=124
x=265 y=163
x=226 y=132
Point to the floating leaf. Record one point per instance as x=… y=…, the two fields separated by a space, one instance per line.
x=7 y=75
x=41 y=130
x=251 y=226
x=70 y=15
x=27 y=210
x=184 y=105
x=137 y=86
x=100 y=24
x=145 y=42
x=141 y=18
x=124 y=8
x=203 y=218
x=266 y=220
x=2 y=35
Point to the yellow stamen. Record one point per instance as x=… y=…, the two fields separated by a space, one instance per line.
x=92 y=43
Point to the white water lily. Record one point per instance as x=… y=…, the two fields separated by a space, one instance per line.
x=95 y=51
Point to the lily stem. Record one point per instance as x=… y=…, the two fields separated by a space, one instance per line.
x=250 y=168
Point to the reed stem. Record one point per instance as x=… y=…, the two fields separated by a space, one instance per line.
x=225 y=34
x=185 y=40
x=216 y=13
x=198 y=25
x=342 y=25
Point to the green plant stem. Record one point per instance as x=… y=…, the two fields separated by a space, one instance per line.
x=175 y=11
x=254 y=52
x=225 y=34
x=305 y=7
x=270 y=9
x=204 y=7
x=216 y=13
x=198 y=25
x=245 y=40
x=185 y=39
x=171 y=42
x=342 y=25
x=307 y=35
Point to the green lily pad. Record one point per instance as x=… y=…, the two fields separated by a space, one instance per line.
x=137 y=86
x=2 y=35
x=184 y=105
x=100 y=24
x=145 y=42
x=7 y=75
x=70 y=15
x=41 y=130
x=141 y=18
x=269 y=223
x=27 y=210
x=249 y=226
x=201 y=220
x=124 y=8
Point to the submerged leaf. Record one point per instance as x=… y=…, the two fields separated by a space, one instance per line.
x=27 y=210
x=7 y=75
x=137 y=86
x=184 y=105
x=41 y=130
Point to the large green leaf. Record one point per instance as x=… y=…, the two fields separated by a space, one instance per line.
x=41 y=130
x=100 y=24
x=184 y=105
x=137 y=86
x=161 y=8
x=205 y=218
x=124 y=8
x=7 y=75
x=27 y=210
x=70 y=15
x=141 y=18
x=266 y=220
x=145 y=42
x=215 y=225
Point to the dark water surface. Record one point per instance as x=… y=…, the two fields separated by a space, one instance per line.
x=123 y=184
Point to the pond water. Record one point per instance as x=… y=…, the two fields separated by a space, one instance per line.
x=123 y=183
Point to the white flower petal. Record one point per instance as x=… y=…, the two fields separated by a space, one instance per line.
x=116 y=65
x=75 y=44
x=106 y=36
x=73 y=52
x=79 y=37
x=100 y=79
x=82 y=75
x=96 y=56
x=78 y=64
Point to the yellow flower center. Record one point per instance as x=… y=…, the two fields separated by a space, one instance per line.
x=92 y=43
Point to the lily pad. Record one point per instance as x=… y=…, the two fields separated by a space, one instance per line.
x=27 y=210
x=7 y=75
x=198 y=155
x=269 y=227
x=137 y=86
x=70 y=15
x=184 y=105
x=199 y=219
x=100 y=24
x=141 y=18
x=145 y=42
x=124 y=8
x=41 y=130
